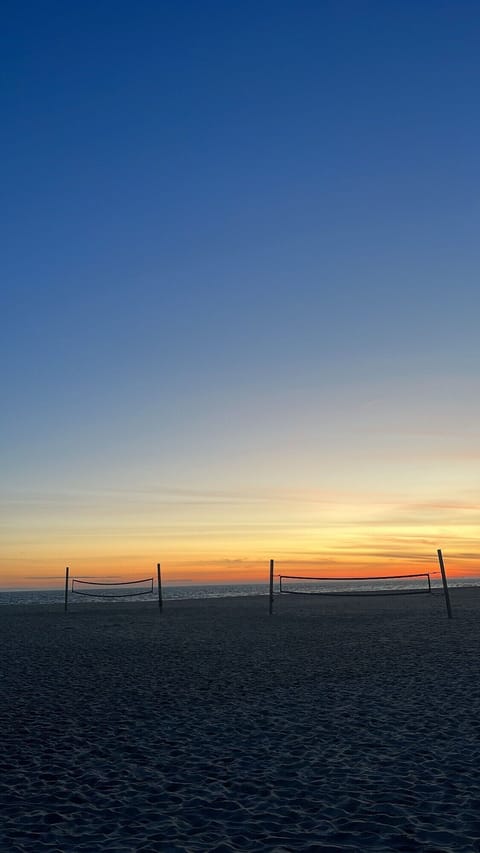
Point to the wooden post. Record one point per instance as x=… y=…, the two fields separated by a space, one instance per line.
x=270 y=597
x=66 y=588
x=159 y=583
x=445 y=585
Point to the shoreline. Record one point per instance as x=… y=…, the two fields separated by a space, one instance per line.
x=43 y=598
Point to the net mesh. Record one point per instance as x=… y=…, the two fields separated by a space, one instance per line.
x=112 y=589
x=407 y=584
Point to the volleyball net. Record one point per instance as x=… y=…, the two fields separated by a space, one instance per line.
x=113 y=589
x=412 y=583
x=406 y=584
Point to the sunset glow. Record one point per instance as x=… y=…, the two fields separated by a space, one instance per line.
x=229 y=538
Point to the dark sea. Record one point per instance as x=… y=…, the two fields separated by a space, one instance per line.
x=57 y=596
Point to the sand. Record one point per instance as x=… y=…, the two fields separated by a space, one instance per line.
x=334 y=725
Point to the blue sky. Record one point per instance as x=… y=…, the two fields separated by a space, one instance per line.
x=240 y=250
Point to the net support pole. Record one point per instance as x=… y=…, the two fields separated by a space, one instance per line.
x=270 y=595
x=159 y=585
x=66 y=588
x=445 y=584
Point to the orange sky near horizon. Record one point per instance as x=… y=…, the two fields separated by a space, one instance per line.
x=222 y=537
x=225 y=572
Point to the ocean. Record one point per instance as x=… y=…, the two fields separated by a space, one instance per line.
x=57 y=596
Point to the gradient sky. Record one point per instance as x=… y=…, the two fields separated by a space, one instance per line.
x=240 y=300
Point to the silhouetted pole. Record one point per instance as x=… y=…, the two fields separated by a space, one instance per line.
x=159 y=582
x=66 y=588
x=270 y=602
x=445 y=585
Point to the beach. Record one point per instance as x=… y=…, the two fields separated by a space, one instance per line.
x=335 y=724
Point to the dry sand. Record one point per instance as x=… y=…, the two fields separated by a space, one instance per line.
x=334 y=725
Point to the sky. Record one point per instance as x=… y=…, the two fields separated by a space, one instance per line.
x=240 y=296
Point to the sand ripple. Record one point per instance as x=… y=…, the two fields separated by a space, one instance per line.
x=330 y=727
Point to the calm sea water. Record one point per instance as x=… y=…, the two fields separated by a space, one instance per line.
x=56 y=596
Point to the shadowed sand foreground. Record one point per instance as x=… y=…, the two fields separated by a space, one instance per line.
x=334 y=725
